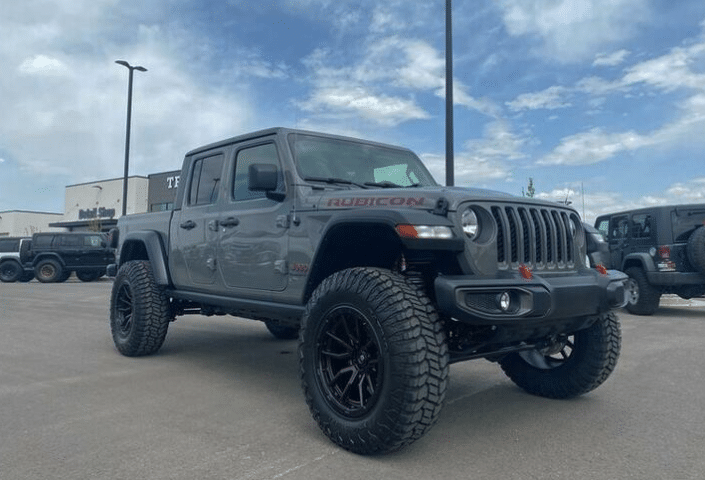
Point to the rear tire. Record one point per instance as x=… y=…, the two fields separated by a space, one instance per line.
x=88 y=275
x=642 y=297
x=26 y=277
x=139 y=310
x=10 y=271
x=574 y=365
x=373 y=359
x=48 y=271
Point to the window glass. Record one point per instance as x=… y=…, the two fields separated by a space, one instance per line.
x=205 y=181
x=263 y=154
x=92 y=241
x=642 y=226
x=620 y=227
x=43 y=241
x=70 y=241
x=9 y=245
x=604 y=227
x=357 y=162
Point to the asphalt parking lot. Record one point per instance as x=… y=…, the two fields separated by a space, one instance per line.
x=221 y=400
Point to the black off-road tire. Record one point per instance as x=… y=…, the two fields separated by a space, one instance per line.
x=88 y=275
x=139 y=310
x=282 y=332
x=575 y=366
x=48 y=271
x=696 y=249
x=10 y=271
x=642 y=297
x=373 y=360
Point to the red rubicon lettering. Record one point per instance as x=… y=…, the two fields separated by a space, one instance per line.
x=375 y=202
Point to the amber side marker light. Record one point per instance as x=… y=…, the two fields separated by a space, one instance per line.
x=525 y=272
x=601 y=269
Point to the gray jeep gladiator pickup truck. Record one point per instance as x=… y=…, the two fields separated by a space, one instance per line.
x=385 y=277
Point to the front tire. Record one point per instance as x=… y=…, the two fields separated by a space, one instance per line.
x=642 y=297
x=572 y=365
x=10 y=271
x=373 y=359
x=139 y=310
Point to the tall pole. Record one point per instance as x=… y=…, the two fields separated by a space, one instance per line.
x=450 y=167
x=127 y=130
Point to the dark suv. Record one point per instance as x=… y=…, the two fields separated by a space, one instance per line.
x=13 y=251
x=55 y=255
x=661 y=249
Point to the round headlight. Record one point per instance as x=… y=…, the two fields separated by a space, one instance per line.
x=470 y=223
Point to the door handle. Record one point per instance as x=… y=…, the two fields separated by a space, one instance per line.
x=230 y=222
x=188 y=225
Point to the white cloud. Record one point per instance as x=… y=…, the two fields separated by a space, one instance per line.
x=550 y=99
x=610 y=59
x=573 y=30
x=43 y=65
x=379 y=108
x=593 y=146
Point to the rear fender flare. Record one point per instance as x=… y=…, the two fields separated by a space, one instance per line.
x=147 y=245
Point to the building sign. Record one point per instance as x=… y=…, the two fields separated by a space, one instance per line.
x=172 y=182
x=92 y=213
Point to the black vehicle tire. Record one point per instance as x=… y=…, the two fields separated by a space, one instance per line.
x=696 y=249
x=88 y=275
x=26 y=277
x=369 y=329
x=48 y=271
x=139 y=310
x=573 y=365
x=642 y=297
x=64 y=276
x=282 y=332
x=10 y=271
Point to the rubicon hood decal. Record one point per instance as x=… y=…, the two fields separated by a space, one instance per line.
x=347 y=202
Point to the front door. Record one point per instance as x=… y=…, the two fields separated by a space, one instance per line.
x=253 y=240
x=618 y=239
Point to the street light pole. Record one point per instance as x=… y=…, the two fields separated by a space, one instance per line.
x=127 y=134
x=450 y=165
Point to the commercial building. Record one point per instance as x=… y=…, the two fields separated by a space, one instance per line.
x=96 y=206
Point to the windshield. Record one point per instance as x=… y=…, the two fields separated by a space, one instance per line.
x=357 y=163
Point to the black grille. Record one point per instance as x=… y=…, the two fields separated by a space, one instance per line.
x=536 y=236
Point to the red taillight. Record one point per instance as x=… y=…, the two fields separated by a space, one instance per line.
x=601 y=269
x=664 y=251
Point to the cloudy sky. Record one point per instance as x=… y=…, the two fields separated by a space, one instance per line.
x=598 y=101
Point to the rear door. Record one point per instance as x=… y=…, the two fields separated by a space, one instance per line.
x=194 y=235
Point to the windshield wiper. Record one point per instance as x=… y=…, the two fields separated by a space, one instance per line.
x=388 y=184
x=333 y=180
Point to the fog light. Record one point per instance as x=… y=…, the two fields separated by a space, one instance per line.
x=505 y=301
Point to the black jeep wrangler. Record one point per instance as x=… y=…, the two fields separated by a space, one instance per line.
x=661 y=249
x=54 y=256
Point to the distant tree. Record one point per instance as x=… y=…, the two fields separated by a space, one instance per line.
x=530 y=190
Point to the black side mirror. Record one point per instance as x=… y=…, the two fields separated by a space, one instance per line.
x=113 y=237
x=262 y=177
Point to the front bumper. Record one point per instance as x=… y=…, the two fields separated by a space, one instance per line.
x=511 y=300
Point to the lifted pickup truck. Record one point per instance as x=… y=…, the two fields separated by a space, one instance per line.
x=385 y=277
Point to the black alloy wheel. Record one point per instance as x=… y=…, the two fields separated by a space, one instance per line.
x=349 y=363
